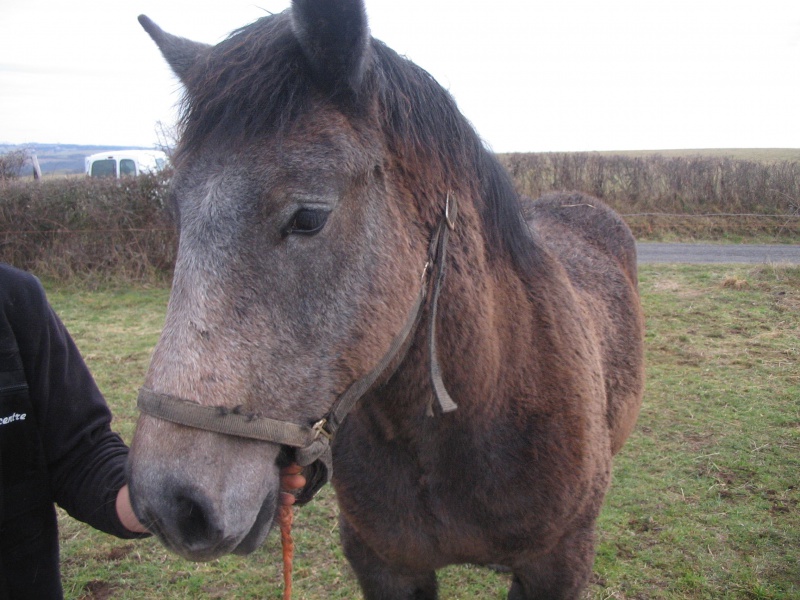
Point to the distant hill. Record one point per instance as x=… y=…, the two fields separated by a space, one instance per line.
x=62 y=159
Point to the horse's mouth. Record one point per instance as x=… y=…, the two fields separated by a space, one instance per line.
x=261 y=527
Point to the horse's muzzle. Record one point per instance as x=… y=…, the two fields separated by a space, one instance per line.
x=186 y=522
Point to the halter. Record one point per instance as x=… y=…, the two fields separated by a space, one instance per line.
x=313 y=443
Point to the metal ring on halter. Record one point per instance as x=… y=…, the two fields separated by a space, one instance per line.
x=450 y=215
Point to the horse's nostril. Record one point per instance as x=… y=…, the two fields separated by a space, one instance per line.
x=195 y=519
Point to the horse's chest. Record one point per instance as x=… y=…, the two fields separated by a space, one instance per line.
x=472 y=495
x=401 y=517
x=410 y=501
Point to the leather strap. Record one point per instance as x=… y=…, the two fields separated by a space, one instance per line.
x=440 y=392
x=225 y=421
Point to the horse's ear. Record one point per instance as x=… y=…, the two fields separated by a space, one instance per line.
x=179 y=52
x=335 y=38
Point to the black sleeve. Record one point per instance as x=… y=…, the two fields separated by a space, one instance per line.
x=85 y=459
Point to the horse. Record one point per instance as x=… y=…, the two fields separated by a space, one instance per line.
x=360 y=289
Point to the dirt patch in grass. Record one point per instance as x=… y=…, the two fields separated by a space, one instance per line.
x=119 y=553
x=98 y=590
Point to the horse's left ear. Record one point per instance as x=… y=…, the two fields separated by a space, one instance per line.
x=180 y=53
x=335 y=38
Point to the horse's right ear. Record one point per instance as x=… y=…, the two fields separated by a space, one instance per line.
x=335 y=39
x=179 y=52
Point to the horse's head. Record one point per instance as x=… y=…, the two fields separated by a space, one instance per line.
x=298 y=262
x=311 y=181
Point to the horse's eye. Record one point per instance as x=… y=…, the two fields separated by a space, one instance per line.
x=307 y=221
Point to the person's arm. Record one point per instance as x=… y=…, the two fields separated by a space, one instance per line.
x=85 y=459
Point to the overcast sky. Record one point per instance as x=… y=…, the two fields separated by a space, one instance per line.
x=554 y=75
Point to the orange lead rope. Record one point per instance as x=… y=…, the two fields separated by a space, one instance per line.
x=286 y=516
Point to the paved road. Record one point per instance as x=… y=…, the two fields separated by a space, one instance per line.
x=717 y=253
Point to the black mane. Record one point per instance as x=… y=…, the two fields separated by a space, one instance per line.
x=426 y=130
x=257 y=83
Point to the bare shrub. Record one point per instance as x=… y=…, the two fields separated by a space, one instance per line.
x=92 y=228
x=11 y=164
x=709 y=195
x=167 y=136
x=99 y=229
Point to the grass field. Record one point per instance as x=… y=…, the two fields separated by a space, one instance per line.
x=705 y=502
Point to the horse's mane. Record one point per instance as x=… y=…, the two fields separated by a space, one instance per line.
x=257 y=82
x=439 y=147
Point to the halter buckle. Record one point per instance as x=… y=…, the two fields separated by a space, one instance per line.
x=425 y=271
x=319 y=430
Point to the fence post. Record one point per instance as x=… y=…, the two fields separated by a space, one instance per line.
x=37 y=170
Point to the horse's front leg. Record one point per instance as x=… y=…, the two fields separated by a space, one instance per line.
x=379 y=580
x=560 y=575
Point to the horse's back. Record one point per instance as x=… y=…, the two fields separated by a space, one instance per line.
x=586 y=217
x=598 y=253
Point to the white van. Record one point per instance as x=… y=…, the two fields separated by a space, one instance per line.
x=122 y=163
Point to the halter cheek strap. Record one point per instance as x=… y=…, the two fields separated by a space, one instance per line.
x=313 y=443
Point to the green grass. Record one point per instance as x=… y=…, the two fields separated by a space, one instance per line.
x=705 y=502
x=705 y=496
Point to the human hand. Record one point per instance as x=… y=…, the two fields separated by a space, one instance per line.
x=291 y=480
x=125 y=512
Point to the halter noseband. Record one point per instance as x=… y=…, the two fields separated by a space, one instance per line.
x=313 y=443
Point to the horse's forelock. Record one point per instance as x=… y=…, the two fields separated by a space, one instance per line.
x=250 y=85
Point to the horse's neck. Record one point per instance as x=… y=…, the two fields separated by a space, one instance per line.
x=482 y=316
